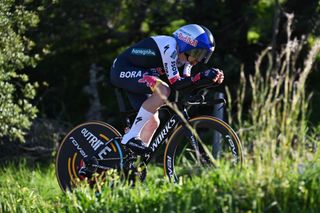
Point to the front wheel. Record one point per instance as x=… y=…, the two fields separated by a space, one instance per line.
x=213 y=140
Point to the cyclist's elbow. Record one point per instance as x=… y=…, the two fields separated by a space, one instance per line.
x=182 y=83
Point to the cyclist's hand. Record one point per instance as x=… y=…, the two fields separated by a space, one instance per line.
x=219 y=77
x=213 y=75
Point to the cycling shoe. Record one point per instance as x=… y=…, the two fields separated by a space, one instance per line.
x=137 y=146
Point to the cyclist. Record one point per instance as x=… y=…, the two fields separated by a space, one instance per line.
x=140 y=69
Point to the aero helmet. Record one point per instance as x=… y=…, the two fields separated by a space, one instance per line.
x=196 y=41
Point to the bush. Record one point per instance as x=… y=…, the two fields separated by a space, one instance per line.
x=16 y=92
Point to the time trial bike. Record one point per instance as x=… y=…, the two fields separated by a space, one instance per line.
x=187 y=144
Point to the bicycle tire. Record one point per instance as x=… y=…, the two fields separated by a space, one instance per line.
x=179 y=150
x=75 y=147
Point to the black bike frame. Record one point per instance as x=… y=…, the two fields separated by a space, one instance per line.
x=171 y=124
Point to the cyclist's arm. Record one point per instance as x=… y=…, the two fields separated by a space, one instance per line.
x=171 y=69
x=169 y=55
x=213 y=75
x=210 y=76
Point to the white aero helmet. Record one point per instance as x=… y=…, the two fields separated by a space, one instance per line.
x=196 y=41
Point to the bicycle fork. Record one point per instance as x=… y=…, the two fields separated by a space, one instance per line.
x=191 y=135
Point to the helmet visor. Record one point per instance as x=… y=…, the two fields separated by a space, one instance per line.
x=200 y=54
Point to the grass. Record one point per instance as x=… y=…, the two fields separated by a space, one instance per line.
x=27 y=190
x=276 y=188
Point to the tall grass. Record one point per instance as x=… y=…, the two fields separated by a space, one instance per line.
x=275 y=127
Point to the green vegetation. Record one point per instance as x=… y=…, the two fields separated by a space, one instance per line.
x=280 y=174
x=26 y=189
x=273 y=188
x=16 y=91
x=270 y=106
x=275 y=124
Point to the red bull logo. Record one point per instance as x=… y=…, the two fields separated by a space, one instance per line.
x=188 y=40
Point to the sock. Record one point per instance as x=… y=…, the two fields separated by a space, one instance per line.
x=141 y=119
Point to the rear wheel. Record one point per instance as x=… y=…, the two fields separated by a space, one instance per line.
x=80 y=145
x=217 y=142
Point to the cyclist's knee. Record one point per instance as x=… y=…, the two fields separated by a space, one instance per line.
x=163 y=89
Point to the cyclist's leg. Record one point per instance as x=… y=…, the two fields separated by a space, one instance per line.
x=161 y=92
x=147 y=114
x=140 y=81
x=147 y=132
x=150 y=128
x=136 y=100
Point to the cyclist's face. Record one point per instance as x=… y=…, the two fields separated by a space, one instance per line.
x=192 y=60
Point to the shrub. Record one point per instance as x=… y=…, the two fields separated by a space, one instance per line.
x=16 y=92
